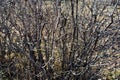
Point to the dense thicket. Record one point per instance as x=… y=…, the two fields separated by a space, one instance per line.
x=59 y=40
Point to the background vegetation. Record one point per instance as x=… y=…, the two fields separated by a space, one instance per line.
x=59 y=40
